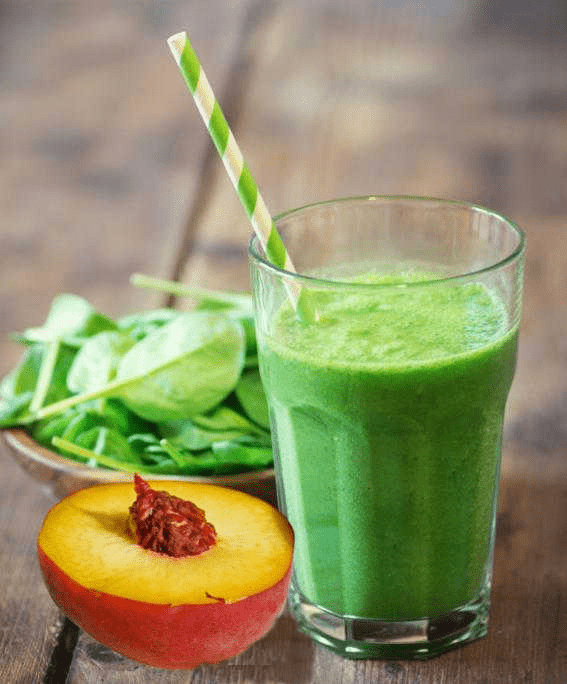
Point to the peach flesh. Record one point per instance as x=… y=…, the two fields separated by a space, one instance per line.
x=157 y=628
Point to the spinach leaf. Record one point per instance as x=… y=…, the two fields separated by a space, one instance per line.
x=224 y=460
x=139 y=325
x=225 y=418
x=117 y=415
x=20 y=388
x=106 y=441
x=246 y=319
x=184 y=368
x=13 y=411
x=236 y=305
x=250 y=393
x=70 y=318
x=185 y=434
x=155 y=392
x=44 y=430
x=79 y=419
x=90 y=456
x=58 y=389
x=252 y=457
x=97 y=361
x=23 y=377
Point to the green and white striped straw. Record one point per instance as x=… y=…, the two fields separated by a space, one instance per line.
x=231 y=156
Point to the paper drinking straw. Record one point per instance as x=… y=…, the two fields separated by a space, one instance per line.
x=233 y=161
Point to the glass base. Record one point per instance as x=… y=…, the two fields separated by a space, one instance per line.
x=364 y=638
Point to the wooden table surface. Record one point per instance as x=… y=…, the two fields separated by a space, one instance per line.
x=107 y=170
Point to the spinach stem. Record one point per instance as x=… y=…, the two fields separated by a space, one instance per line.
x=45 y=374
x=172 y=452
x=108 y=390
x=238 y=299
x=108 y=461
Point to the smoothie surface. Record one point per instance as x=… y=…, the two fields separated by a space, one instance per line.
x=404 y=320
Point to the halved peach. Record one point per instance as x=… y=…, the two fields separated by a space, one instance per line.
x=157 y=609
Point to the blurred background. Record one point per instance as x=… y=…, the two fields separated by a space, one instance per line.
x=106 y=167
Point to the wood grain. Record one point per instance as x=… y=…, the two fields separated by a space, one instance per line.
x=107 y=170
x=29 y=621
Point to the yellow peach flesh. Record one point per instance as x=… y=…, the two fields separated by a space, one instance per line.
x=87 y=536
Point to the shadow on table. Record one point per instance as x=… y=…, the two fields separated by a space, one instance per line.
x=542 y=20
x=283 y=656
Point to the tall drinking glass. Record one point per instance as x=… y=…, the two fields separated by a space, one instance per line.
x=387 y=403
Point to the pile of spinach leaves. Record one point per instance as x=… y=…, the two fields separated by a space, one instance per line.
x=160 y=391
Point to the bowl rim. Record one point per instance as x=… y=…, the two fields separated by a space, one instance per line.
x=25 y=447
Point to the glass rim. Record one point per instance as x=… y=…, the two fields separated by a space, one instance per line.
x=262 y=261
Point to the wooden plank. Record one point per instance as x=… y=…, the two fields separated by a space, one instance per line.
x=103 y=164
x=29 y=621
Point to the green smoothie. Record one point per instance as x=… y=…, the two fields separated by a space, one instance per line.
x=386 y=417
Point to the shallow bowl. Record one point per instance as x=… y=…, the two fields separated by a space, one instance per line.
x=61 y=476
